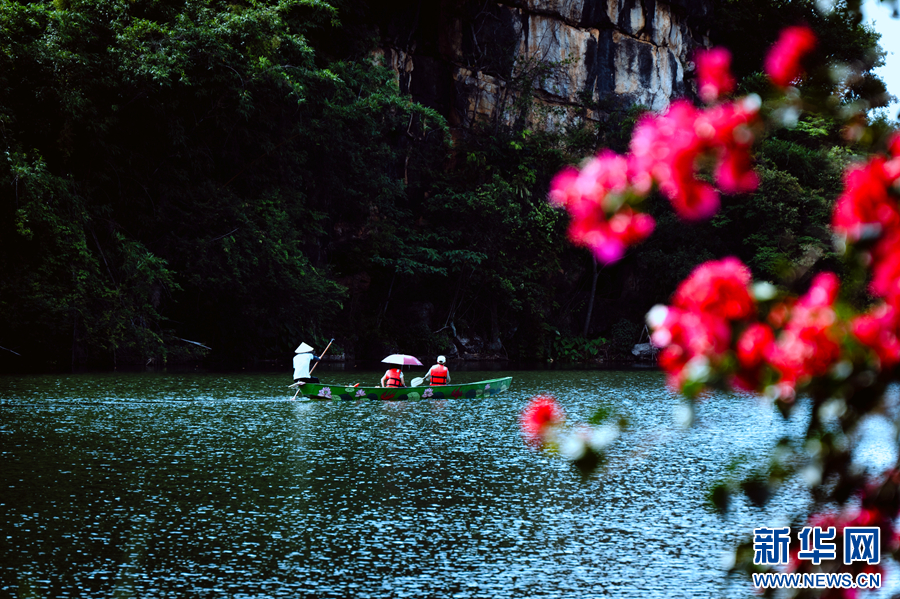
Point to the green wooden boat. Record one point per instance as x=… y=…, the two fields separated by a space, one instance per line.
x=321 y=391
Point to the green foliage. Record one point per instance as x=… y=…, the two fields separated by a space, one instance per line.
x=573 y=350
x=749 y=28
x=243 y=175
x=172 y=167
x=496 y=207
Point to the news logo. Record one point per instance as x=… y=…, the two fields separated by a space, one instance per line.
x=862 y=544
x=772 y=547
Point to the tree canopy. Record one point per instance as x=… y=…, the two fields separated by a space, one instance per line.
x=242 y=176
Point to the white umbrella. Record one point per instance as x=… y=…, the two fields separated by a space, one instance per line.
x=402 y=360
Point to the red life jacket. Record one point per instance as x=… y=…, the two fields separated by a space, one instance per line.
x=394 y=378
x=439 y=374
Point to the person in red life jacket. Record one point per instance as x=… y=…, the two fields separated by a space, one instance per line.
x=439 y=374
x=393 y=378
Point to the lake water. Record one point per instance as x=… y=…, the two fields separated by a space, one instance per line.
x=205 y=486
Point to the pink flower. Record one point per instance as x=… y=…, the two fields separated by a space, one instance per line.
x=539 y=418
x=714 y=73
x=664 y=150
x=596 y=199
x=809 y=344
x=696 y=331
x=886 y=269
x=783 y=63
x=608 y=240
x=692 y=199
x=866 y=210
x=564 y=188
x=733 y=137
x=668 y=147
x=878 y=330
x=581 y=190
x=719 y=288
x=753 y=345
x=693 y=342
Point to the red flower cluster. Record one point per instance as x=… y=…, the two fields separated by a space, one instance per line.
x=696 y=330
x=712 y=316
x=539 y=419
x=721 y=329
x=664 y=151
x=603 y=187
x=866 y=210
x=783 y=64
x=809 y=343
x=867 y=215
x=718 y=288
x=712 y=327
x=878 y=329
x=669 y=146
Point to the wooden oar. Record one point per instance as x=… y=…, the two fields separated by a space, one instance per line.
x=313 y=368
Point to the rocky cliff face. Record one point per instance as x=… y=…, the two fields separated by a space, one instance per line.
x=473 y=59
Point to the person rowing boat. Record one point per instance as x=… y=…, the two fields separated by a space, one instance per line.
x=303 y=358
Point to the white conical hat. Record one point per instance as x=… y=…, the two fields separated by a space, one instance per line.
x=302 y=349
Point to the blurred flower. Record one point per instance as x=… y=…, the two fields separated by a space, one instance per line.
x=809 y=344
x=596 y=198
x=752 y=348
x=719 y=288
x=564 y=187
x=733 y=138
x=668 y=147
x=540 y=418
x=783 y=62
x=695 y=331
x=878 y=329
x=753 y=345
x=866 y=210
x=608 y=239
x=714 y=73
x=893 y=144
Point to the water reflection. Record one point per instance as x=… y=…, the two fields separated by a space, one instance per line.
x=195 y=485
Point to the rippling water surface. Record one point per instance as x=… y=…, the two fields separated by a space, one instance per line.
x=200 y=485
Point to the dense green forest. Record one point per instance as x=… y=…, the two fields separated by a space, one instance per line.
x=217 y=181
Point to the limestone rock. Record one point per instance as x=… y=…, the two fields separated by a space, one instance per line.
x=471 y=60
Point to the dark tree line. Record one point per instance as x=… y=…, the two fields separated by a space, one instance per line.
x=242 y=176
